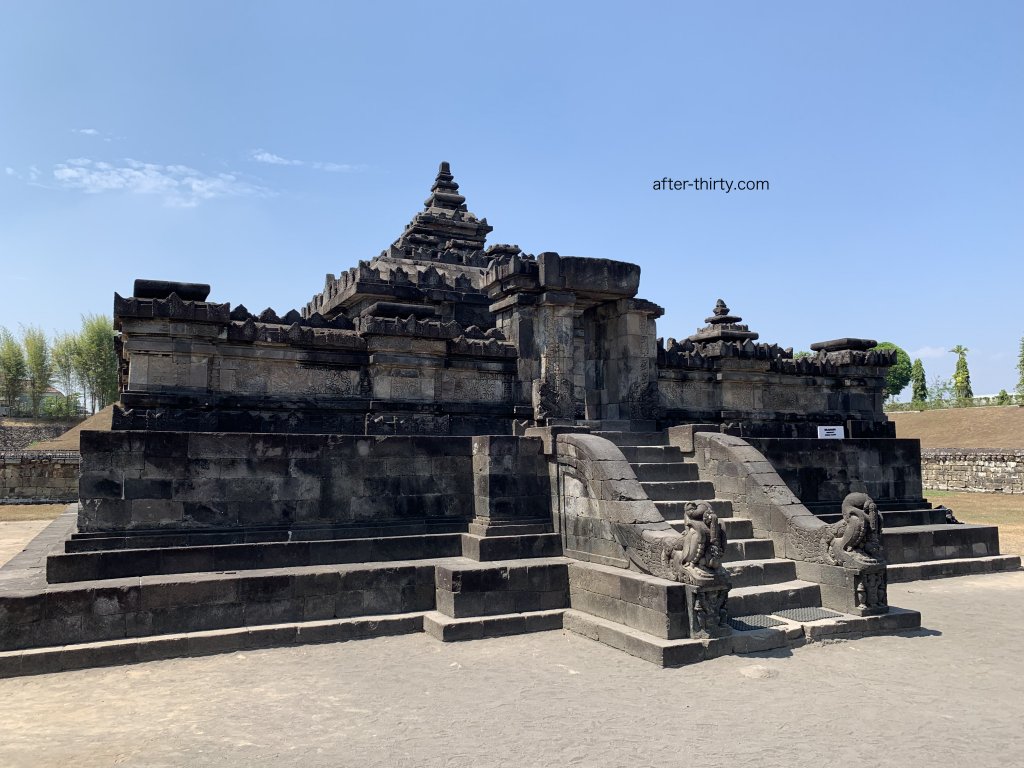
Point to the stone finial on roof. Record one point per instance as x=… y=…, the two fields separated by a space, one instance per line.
x=720 y=315
x=722 y=326
x=445 y=192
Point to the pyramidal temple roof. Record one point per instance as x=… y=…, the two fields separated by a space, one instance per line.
x=445 y=230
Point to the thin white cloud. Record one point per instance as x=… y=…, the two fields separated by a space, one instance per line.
x=337 y=167
x=178 y=185
x=930 y=352
x=10 y=171
x=263 y=156
x=86 y=131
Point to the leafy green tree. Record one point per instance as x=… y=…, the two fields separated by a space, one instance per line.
x=961 y=376
x=940 y=392
x=898 y=376
x=1020 y=371
x=1003 y=398
x=95 y=361
x=13 y=369
x=802 y=353
x=62 y=354
x=918 y=387
x=39 y=367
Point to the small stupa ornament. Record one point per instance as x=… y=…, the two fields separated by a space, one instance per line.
x=722 y=326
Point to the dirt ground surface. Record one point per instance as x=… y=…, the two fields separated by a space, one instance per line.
x=1003 y=509
x=18 y=512
x=69 y=440
x=951 y=695
x=15 y=535
x=20 y=523
x=987 y=427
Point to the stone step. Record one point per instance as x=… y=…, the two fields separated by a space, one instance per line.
x=525 y=547
x=153 y=539
x=835 y=625
x=676 y=470
x=651 y=453
x=681 y=490
x=121 y=563
x=664 y=653
x=922 y=543
x=133 y=650
x=940 y=569
x=903 y=517
x=737 y=528
x=769 y=598
x=470 y=589
x=673 y=510
x=117 y=609
x=447 y=629
x=635 y=438
x=756 y=573
x=748 y=549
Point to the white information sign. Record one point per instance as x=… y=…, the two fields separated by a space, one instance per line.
x=831 y=433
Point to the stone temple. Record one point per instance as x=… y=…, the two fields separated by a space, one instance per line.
x=471 y=441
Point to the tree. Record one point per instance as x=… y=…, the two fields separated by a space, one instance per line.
x=37 y=362
x=62 y=355
x=939 y=392
x=898 y=376
x=1020 y=371
x=961 y=376
x=1003 y=398
x=918 y=387
x=12 y=369
x=95 y=360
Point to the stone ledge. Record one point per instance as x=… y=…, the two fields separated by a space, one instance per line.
x=447 y=629
x=130 y=651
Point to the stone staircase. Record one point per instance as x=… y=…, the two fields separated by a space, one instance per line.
x=769 y=607
x=762 y=583
x=922 y=543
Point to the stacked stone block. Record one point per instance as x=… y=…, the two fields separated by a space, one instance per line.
x=981 y=470
x=133 y=481
x=38 y=476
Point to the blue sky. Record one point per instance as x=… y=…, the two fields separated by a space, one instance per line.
x=257 y=146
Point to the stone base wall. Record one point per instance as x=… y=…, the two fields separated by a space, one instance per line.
x=15 y=437
x=980 y=470
x=43 y=476
x=821 y=472
x=135 y=481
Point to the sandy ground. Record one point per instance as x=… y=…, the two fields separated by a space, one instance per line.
x=950 y=695
x=1003 y=509
x=15 y=535
x=987 y=427
x=20 y=523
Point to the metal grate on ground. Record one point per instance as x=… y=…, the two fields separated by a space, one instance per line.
x=810 y=613
x=752 y=622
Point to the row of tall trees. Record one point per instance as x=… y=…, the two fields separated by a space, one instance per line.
x=83 y=365
x=958 y=390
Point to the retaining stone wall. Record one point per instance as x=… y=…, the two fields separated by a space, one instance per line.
x=134 y=481
x=973 y=469
x=822 y=472
x=17 y=437
x=39 y=476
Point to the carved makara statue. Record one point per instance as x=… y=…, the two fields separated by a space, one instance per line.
x=856 y=540
x=696 y=556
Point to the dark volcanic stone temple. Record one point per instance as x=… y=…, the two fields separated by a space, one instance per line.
x=470 y=440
